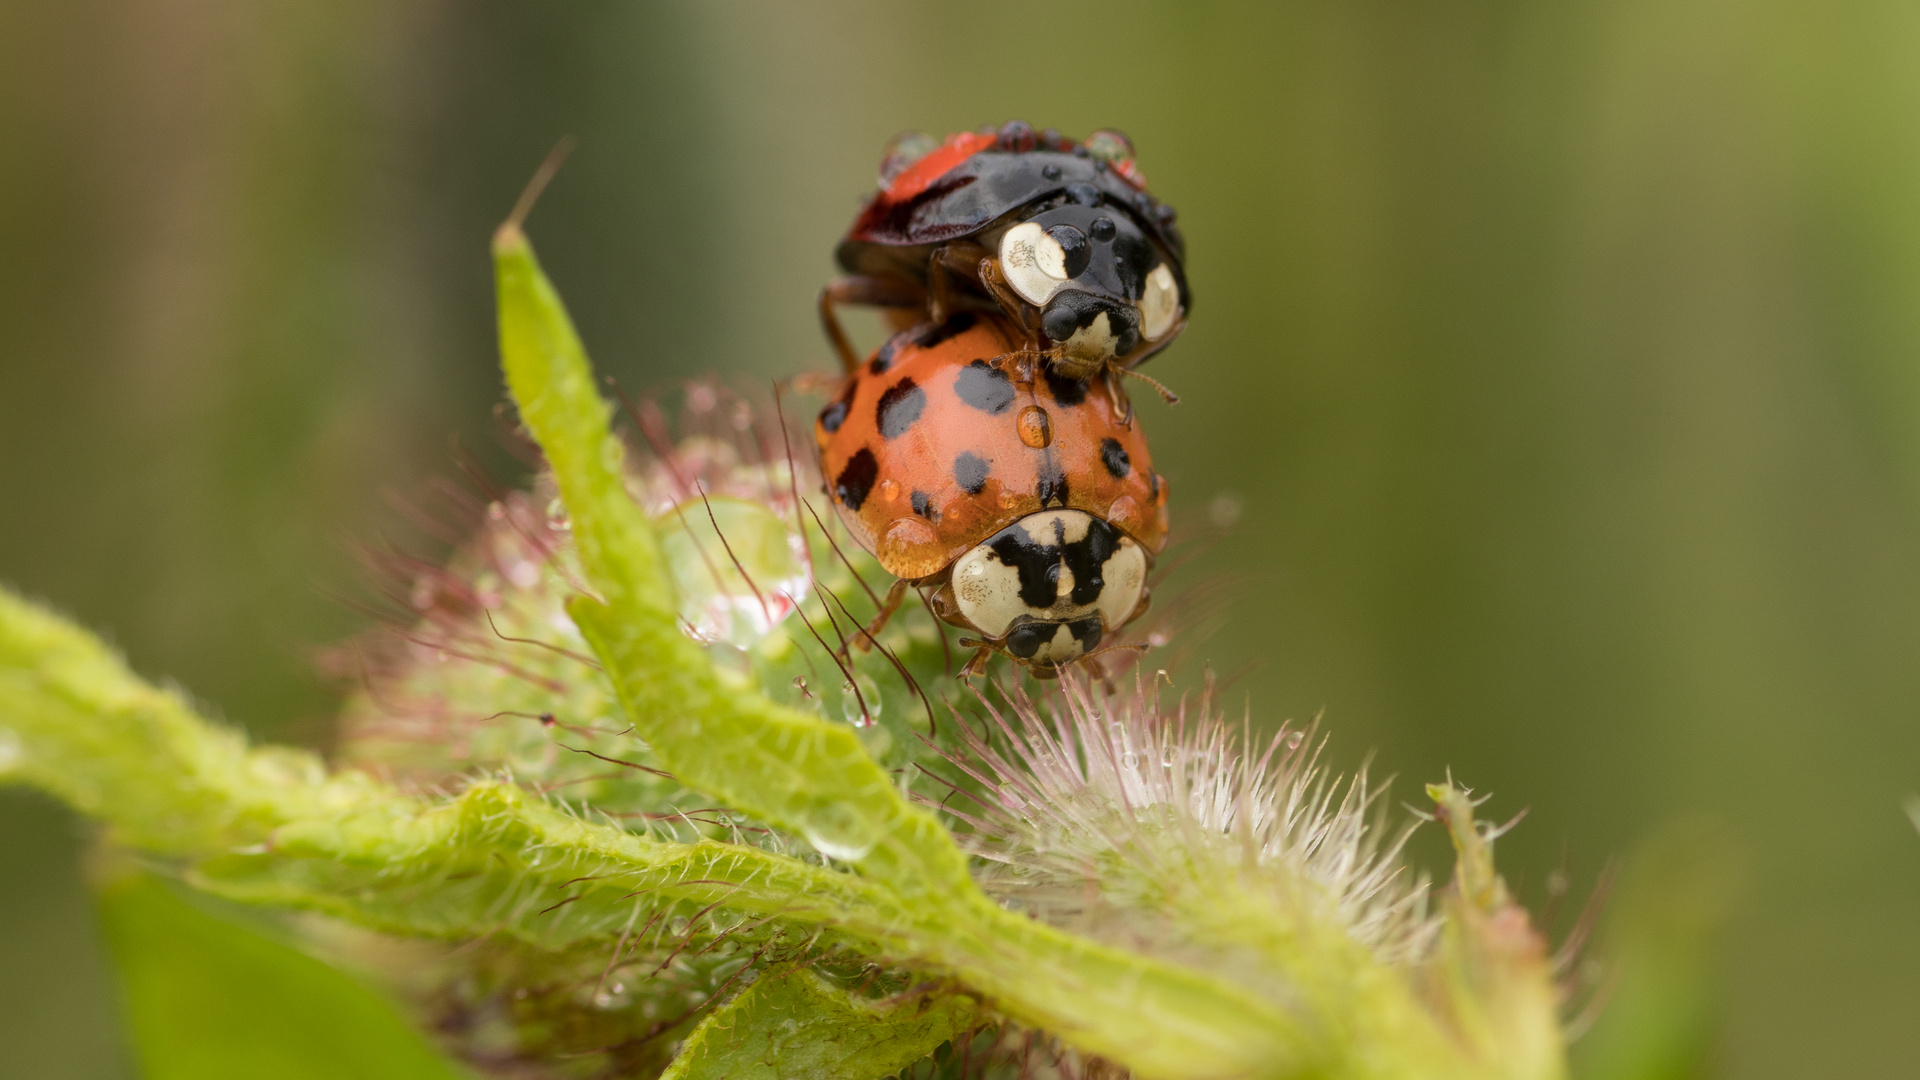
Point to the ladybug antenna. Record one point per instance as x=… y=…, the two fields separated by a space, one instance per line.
x=542 y=176
x=1167 y=395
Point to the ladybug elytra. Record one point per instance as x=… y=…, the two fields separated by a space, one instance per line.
x=1002 y=485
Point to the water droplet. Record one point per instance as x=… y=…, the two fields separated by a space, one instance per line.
x=1166 y=757
x=840 y=848
x=1129 y=760
x=1109 y=145
x=889 y=490
x=1117 y=729
x=1295 y=738
x=1009 y=499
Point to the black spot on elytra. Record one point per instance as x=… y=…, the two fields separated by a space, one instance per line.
x=927 y=335
x=984 y=387
x=1066 y=391
x=1153 y=486
x=1114 y=457
x=883 y=359
x=899 y=407
x=856 y=479
x=833 y=416
x=970 y=472
x=923 y=505
x=1037 y=561
x=1052 y=487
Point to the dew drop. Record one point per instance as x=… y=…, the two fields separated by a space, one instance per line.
x=1166 y=757
x=889 y=490
x=1295 y=738
x=1009 y=499
x=1130 y=760
x=1117 y=729
x=840 y=849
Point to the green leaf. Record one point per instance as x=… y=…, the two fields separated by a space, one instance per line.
x=208 y=999
x=798 y=1025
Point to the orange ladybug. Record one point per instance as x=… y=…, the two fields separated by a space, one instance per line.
x=1025 y=502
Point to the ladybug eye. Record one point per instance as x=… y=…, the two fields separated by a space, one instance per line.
x=1035 y=262
x=1159 y=304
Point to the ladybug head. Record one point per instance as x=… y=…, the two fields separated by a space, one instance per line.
x=1048 y=587
x=1103 y=287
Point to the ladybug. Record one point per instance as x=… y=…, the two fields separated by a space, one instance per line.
x=1061 y=236
x=1007 y=489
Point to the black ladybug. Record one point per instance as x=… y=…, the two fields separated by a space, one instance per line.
x=1061 y=235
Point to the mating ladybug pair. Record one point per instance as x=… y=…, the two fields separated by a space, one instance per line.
x=987 y=451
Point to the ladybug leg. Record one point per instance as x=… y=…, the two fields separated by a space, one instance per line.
x=868 y=292
x=949 y=268
x=979 y=662
x=1117 y=397
x=865 y=639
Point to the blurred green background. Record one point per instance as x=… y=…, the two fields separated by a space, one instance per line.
x=1565 y=358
